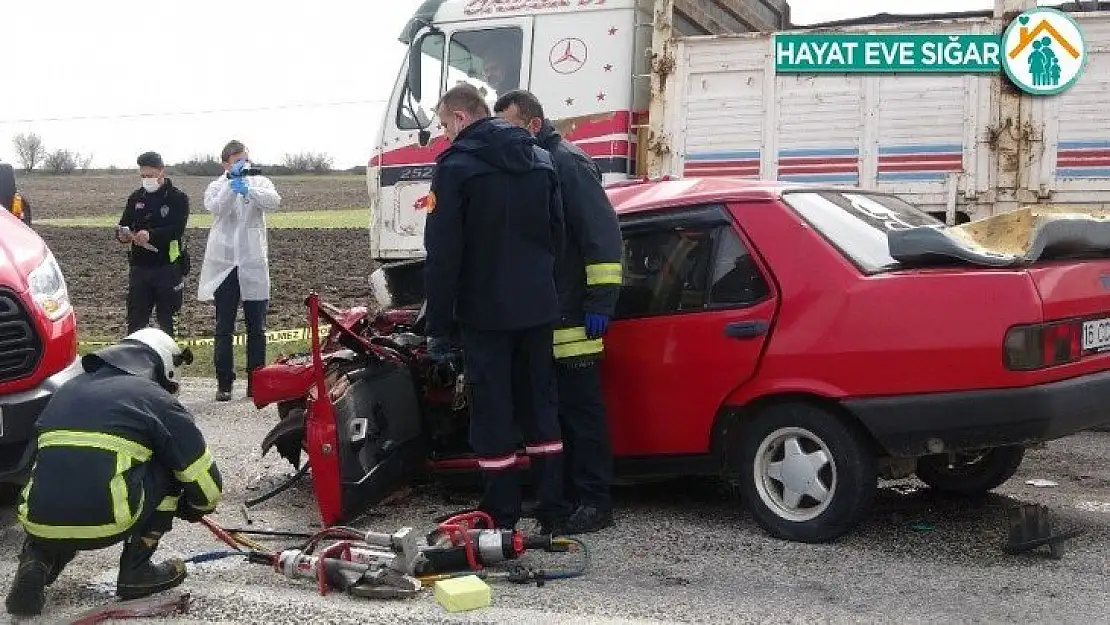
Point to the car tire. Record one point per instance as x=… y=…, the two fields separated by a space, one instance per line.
x=970 y=474
x=846 y=476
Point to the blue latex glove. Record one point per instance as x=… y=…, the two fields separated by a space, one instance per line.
x=596 y=325
x=237 y=168
x=439 y=349
x=239 y=185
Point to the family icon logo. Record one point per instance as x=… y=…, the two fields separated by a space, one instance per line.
x=1044 y=51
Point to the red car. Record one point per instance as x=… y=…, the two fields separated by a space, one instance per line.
x=38 y=344
x=764 y=333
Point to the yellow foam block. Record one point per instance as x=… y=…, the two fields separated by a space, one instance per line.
x=459 y=594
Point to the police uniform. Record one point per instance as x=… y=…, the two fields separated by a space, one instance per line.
x=589 y=279
x=118 y=457
x=156 y=281
x=493 y=233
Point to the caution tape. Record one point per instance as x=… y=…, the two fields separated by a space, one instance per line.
x=273 y=336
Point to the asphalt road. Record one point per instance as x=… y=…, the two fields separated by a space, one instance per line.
x=680 y=553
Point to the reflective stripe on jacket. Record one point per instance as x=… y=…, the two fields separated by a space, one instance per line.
x=100 y=437
x=589 y=271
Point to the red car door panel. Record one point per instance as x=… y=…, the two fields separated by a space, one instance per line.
x=696 y=311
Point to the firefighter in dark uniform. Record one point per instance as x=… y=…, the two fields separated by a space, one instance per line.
x=118 y=459
x=493 y=234
x=155 y=218
x=589 y=280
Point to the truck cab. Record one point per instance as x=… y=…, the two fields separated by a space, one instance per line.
x=38 y=342
x=588 y=61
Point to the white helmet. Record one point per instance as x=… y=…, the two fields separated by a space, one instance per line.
x=165 y=368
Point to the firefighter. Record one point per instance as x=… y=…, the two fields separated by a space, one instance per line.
x=589 y=279
x=493 y=233
x=155 y=217
x=118 y=458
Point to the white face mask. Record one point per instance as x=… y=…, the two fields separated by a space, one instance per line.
x=151 y=184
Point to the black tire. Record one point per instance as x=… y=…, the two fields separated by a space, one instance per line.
x=970 y=474
x=850 y=477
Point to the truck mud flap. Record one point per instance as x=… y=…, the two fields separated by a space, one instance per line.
x=378 y=444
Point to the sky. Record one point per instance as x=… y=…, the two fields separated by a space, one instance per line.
x=114 y=78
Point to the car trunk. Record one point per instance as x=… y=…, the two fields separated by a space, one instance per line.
x=1071 y=289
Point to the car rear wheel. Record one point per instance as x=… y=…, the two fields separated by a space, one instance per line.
x=806 y=474
x=972 y=473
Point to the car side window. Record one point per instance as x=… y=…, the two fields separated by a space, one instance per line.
x=665 y=271
x=737 y=280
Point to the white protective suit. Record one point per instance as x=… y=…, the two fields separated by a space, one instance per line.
x=238 y=238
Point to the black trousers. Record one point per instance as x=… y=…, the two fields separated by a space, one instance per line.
x=159 y=289
x=227 y=309
x=511 y=379
x=158 y=485
x=589 y=456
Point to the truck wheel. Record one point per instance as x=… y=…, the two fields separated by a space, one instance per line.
x=972 y=473
x=806 y=474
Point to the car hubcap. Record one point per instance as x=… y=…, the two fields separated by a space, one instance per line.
x=794 y=474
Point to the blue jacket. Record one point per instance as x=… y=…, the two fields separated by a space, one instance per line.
x=493 y=233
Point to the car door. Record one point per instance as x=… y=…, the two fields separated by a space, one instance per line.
x=694 y=311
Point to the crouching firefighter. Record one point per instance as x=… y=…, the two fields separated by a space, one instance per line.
x=589 y=278
x=118 y=458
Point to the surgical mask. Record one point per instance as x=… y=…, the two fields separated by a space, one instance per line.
x=150 y=185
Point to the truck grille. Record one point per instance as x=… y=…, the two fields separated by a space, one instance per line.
x=19 y=342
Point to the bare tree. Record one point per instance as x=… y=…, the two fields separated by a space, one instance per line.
x=60 y=162
x=84 y=161
x=29 y=150
x=308 y=162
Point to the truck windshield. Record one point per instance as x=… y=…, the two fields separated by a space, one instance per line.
x=489 y=59
x=857 y=223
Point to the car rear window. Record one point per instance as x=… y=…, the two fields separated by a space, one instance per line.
x=857 y=223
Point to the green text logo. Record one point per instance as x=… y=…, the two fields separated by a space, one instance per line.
x=799 y=53
x=1042 y=51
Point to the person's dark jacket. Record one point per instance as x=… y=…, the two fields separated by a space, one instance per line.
x=493 y=233
x=165 y=215
x=99 y=438
x=589 y=271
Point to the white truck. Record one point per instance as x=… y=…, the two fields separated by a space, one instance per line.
x=643 y=100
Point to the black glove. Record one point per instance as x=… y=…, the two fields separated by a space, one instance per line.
x=186 y=512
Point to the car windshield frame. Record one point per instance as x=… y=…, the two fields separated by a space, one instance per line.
x=856 y=222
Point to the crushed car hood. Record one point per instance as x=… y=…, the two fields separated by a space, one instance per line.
x=1014 y=239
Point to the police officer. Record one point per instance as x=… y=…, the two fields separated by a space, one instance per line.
x=153 y=223
x=493 y=232
x=118 y=458
x=589 y=279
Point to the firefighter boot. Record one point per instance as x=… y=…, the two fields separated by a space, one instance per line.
x=138 y=576
x=38 y=568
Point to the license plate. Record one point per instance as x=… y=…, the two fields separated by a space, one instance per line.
x=1096 y=334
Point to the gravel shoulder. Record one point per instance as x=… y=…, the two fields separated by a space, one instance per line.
x=680 y=553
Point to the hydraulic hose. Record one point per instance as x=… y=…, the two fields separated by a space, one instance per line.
x=280 y=488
